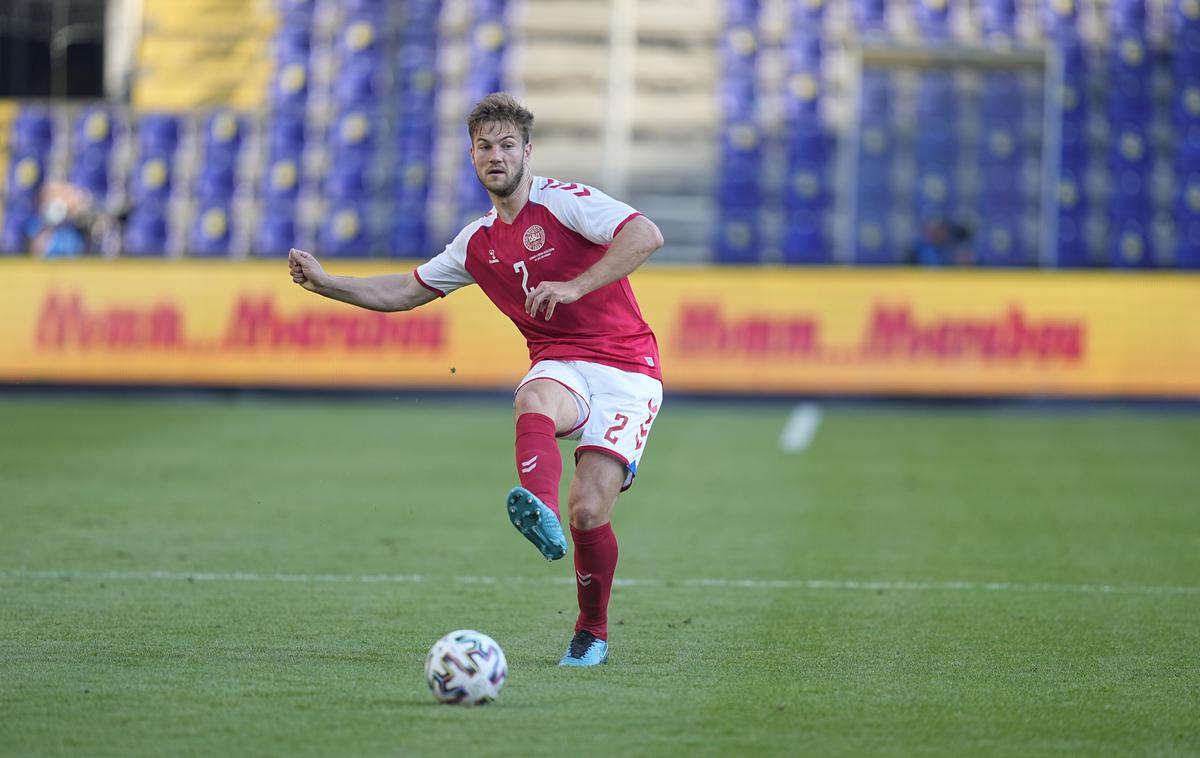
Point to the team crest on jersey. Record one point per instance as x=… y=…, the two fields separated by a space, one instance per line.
x=535 y=237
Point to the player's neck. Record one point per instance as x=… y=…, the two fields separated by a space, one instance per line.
x=507 y=208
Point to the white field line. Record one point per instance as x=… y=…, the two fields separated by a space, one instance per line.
x=800 y=428
x=736 y=584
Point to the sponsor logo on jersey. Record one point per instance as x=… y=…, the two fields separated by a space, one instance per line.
x=535 y=237
x=492 y=257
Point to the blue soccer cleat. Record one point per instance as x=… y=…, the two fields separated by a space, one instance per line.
x=537 y=522
x=586 y=649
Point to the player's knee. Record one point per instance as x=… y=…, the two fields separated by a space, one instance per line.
x=588 y=513
x=536 y=397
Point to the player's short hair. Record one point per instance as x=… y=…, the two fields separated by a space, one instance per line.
x=502 y=108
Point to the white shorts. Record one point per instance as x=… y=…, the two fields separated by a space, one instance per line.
x=616 y=408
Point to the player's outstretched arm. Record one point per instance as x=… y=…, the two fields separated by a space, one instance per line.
x=387 y=292
x=629 y=249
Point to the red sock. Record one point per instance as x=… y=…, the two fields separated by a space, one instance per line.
x=539 y=463
x=595 y=564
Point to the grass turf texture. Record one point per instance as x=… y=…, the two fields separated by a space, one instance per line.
x=101 y=662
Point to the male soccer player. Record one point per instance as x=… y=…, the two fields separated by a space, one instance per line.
x=554 y=257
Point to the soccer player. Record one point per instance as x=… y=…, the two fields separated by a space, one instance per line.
x=555 y=258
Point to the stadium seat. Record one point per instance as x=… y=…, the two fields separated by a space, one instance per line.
x=408 y=232
x=933 y=20
x=32 y=132
x=936 y=191
x=17 y=218
x=738 y=236
x=146 y=232
x=90 y=172
x=1061 y=21
x=276 y=232
x=348 y=178
x=286 y=135
x=289 y=87
x=354 y=132
x=216 y=179
x=804 y=239
x=1186 y=110
x=152 y=179
x=94 y=130
x=1127 y=16
x=358 y=41
x=1130 y=244
x=998 y=243
x=998 y=19
x=875 y=96
x=870 y=17
x=223 y=130
x=346 y=231
x=873 y=244
x=211 y=230
x=937 y=101
x=158 y=134
x=281 y=179
x=411 y=188
x=1072 y=250
x=1187 y=250
x=25 y=176
x=356 y=85
x=807 y=188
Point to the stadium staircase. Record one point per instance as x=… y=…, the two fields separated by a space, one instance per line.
x=198 y=54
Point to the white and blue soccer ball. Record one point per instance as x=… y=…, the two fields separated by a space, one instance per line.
x=466 y=668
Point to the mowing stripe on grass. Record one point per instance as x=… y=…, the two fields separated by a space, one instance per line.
x=800 y=428
x=749 y=584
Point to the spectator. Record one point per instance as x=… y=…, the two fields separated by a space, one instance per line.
x=943 y=242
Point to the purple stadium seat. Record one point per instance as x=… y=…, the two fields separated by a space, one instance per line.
x=408 y=233
x=90 y=172
x=737 y=235
x=13 y=238
x=286 y=135
x=223 y=130
x=289 y=87
x=146 y=231
x=356 y=85
x=346 y=230
x=998 y=242
x=870 y=17
x=158 y=134
x=873 y=244
x=25 y=176
x=804 y=238
x=94 y=130
x=32 y=131
x=216 y=179
x=1128 y=16
x=1130 y=244
x=998 y=18
x=281 y=180
x=276 y=233
x=933 y=19
x=152 y=179
x=211 y=230
x=1061 y=21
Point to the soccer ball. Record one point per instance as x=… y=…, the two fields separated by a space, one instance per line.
x=465 y=667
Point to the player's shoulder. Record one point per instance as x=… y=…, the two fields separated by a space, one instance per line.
x=547 y=191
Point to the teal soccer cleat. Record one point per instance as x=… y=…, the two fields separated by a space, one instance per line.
x=537 y=522
x=586 y=649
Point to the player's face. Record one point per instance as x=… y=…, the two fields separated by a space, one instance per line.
x=500 y=154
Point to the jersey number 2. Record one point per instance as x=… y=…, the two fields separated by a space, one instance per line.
x=519 y=267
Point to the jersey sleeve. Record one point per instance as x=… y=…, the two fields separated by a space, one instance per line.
x=447 y=271
x=587 y=210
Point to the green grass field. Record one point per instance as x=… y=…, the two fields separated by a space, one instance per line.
x=225 y=577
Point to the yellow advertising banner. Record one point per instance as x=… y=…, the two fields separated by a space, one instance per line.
x=720 y=330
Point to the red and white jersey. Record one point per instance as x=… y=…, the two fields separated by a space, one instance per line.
x=561 y=231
